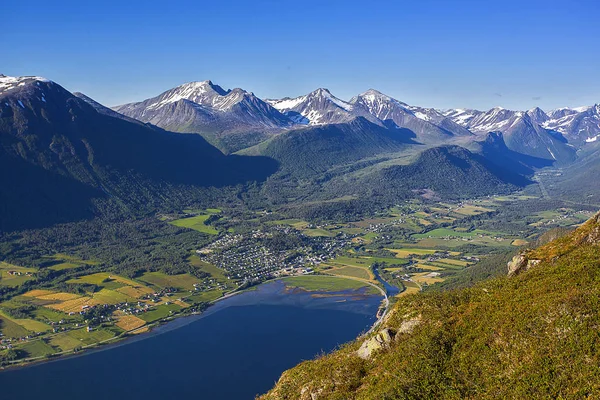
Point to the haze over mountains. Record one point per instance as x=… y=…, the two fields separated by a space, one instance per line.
x=170 y=149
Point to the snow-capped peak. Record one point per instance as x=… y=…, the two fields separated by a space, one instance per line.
x=13 y=82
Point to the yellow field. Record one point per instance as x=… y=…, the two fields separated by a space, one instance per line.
x=453 y=262
x=180 y=303
x=74 y=305
x=471 y=210
x=519 y=242
x=426 y=277
x=404 y=253
x=354 y=272
x=38 y=293
x=129 y=322
x=60 y=296
x=429 y=267
x=409 y=290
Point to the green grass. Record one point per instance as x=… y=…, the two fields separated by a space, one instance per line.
x=196 y=223
x=106 y=296
x=64 y=341
x=63 y=266
x=9 y=280
x=355 y=272
x=10 y=329
x=43 y=313
x=36 y=348
x=33 y=325
x=215 y=272
x=162 y=280
x=160 y=312
x=322 y=283
x=205 y=297
x=86 y=338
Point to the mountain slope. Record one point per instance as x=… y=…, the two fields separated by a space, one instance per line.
x=446 y=172
x=533 y=335
x=229 y=119
x=312 y=150
x=319 y=107
x=73 y=155
x=428 y=124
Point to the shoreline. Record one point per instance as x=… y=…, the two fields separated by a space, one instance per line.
x=153 y=329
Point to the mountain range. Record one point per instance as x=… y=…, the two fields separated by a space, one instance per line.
x=235 y=119
x=178 y=148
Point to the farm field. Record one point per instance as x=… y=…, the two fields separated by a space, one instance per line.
x=215 y=272
x=162 y=280
x=162 y=311
x=65 y=261
x=129 y=322
x=12 y=275
x=322 y=283
x=354 y=272
x=198 y=222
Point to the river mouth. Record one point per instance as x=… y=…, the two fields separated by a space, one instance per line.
x=249 y=339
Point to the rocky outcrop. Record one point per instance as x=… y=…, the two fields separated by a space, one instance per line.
x=408 y=326
x=380 y=341
x=520 y=263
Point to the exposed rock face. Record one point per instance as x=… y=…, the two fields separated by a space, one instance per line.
x=408 y=326
x=377 y=342
x=520 y=263
x=594 y=236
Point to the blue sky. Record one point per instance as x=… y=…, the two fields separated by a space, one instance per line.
x=444 y=54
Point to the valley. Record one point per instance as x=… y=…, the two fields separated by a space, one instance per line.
x=68 y=302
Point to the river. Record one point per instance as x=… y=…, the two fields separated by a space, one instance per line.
x=237 y=349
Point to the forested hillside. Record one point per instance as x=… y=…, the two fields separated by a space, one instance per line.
x=60 y=156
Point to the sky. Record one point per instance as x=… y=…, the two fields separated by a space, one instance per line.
x=443 y=54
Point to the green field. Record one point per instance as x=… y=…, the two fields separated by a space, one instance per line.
x=215 y=272
x=162 y=280
x=197 y=223
x=205 y=297
x=355 y=272
x=86 y=338
x=36 y=348
x=64 y=341
x=7 y=279
x=160 y=312
x=11 y=329
x=321 y=283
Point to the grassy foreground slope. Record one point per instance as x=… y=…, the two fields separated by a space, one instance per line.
x=533 y=335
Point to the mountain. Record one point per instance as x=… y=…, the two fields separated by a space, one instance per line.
x=494 y=148
x=68 y=157
x=230 y=119
x=580 y=126
x=427 y=123
x=523 y=135
x=444 y=172
x=528 y=335
x=319 y=107
x=312 y=150
x=523 y=132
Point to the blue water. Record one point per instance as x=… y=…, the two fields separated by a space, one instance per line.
x=390 y=289
x=235 y=350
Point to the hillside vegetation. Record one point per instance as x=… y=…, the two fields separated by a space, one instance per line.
x=529 y=336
